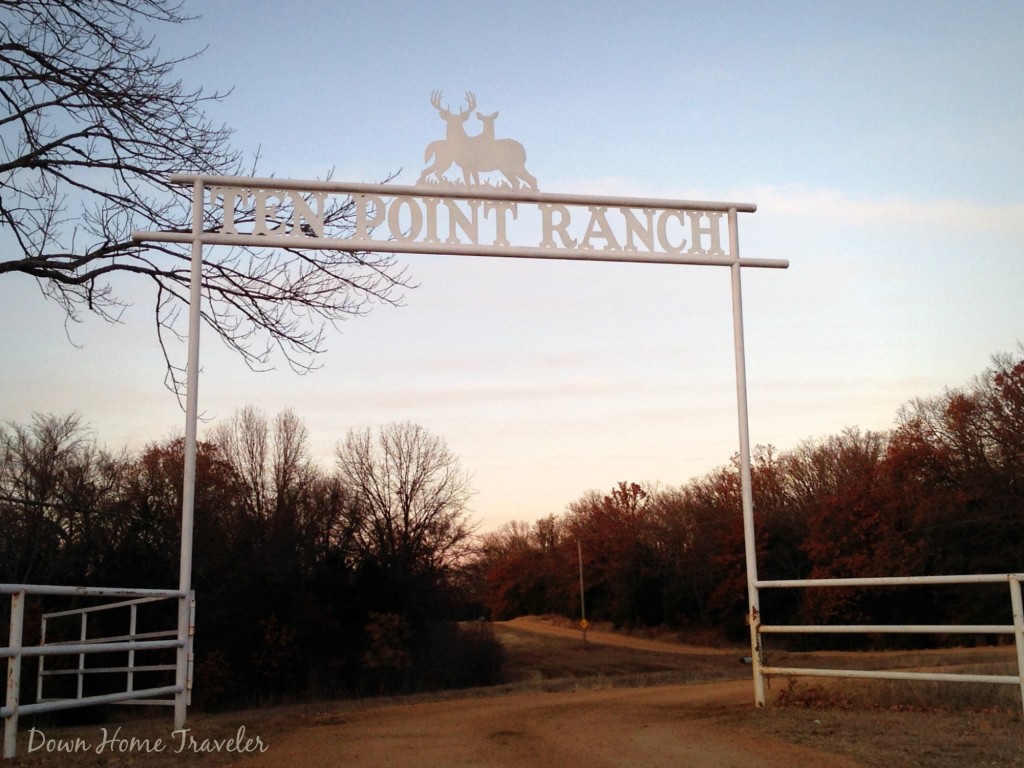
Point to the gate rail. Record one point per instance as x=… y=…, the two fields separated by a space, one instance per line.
x=130 y=643
x=1016 y=629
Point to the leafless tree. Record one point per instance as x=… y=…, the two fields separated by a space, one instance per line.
x=290 y=462
x=56 y=490
x=244 y=442
x=414 y=495
x=92 y=123
x=271 y=461
x=290 y=507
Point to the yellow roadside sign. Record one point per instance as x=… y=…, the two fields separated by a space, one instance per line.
x=584 y=623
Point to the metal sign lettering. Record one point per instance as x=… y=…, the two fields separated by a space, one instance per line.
x=393 y=215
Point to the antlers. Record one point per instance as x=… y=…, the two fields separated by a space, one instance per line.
x=435 y=99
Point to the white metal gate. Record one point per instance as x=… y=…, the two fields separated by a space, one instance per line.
x=1016 y=629
x=130 y=643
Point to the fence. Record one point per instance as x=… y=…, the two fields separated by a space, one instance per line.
x=130 y=643
x=1016 y=629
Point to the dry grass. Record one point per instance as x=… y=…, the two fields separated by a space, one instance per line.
x=893 y=723
x=547 y=663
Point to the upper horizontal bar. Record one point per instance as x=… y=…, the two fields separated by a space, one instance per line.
x=906 y=629
x=452 y=249
x=50 y=589
x=463 y=193
x=888 y=581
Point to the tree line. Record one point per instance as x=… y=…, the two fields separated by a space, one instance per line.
x=308 y=581
x=941 y=492
x=352 y=579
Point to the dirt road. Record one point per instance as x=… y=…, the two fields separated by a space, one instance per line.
x=669 y=726
x=542 y=627
x=672 y=726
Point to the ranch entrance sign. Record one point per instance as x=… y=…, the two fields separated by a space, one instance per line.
x=499 y=216
x=495 y=209
x=469 y=217
x=470 y=221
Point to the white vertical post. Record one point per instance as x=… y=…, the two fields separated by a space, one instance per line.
x=42 y=661
x=132 y=623
x=188 y=491
x=14 y=675
x=83 y=633
x=746 y=484
x=1018 y=630
x=191 y=651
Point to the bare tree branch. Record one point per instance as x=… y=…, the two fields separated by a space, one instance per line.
x=92 y=124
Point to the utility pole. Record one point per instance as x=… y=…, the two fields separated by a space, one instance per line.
x=583 y=605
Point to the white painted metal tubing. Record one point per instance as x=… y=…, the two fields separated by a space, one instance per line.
x=41 y=673
x=147 y=702
x=110 y=606
x=116 y=638
x=131 y=654
x=188 y=491
x=884 y=674
x=888 y=581
x=463 y=193
x=59 y=704
x=11 y=708
x=908 y=629
x=1017 y=604
x=749 y=548
x=1016 y=629
x=454 y=249
x=107 y=670
x=50 y=589
x=72 y=648
x=81 y=656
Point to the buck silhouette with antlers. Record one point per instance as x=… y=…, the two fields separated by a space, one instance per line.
x=474 y=154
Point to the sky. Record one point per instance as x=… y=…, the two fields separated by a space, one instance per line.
x=883 y=144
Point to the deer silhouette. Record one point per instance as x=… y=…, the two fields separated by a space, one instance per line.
x=474 y=154
x=455 y=143
x=504 y=155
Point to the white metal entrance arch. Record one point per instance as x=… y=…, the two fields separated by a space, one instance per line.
x=469 y=221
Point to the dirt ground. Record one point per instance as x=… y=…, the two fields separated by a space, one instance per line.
x=663 y=726
x=705 y=725
x=618 y=701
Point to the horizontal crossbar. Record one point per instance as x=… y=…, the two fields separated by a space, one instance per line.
x=97 y=670
x=63 y=650
x=890 y=675
x=55 y=705
x=924 y=629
